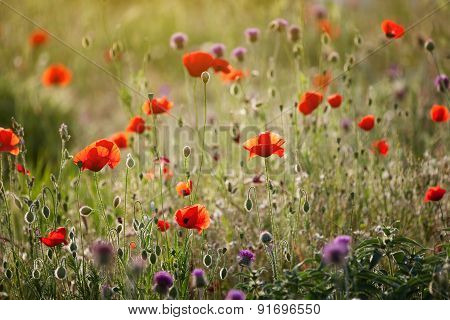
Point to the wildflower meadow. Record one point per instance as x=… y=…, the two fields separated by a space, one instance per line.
x=239 y=150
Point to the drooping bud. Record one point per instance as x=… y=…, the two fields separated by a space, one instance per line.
x=116 y=202
x=130 y=161
x=205 y=77
x=86 y=211
x=187 y=151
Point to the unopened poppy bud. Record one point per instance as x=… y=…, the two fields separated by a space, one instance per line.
x=144 y=255
x=266 y=237
x=357 y=40
x=36 y=274
x=17 y=202
x=85 y=210
x=120 y=253
x=50 y=254
x=130 y=161
x=153 y=258
x=119 y=229
x=234 y=89
x=187 y=151
x=86 y=42
x=429 y=45
x=333 y=57
x=158 y=250
x=30 y=217
x=325 y=38
x=248 y=204
x=306 y=206
x=207 y=260
x=150 y=95
x=60 y=273
x=8 y=274
x=71 y=234
x=73 y=247
x=46 y=212
x=205 y=77
x=223 y=273
x=116 y=202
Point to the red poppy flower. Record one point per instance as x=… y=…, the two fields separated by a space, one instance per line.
x=233 y=75
x=322 y=80
x=197 y=62
x=163 y=225
x=21 y=169
x=55 y=238
x=156 y=106
x=265 y=145
x=56 y=75
x=380 y=146
x=193 y=217
x=367 y=123
x=309 y=101
x=221 y=65
x=9 y=142
x=392 y=29
x=335 y=100
x=136 y=124
x=38 y=38
x=326 y=27
x=434 y=194
x=184 y=188
x=97 y=155
x=439 y=113
x=120 y=139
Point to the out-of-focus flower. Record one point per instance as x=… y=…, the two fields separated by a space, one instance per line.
x=322 y=81
x=439 y=113
x=103 y=252
x=136 y=125
x=157 y=106
x=178 y=40
x=441 y=82
x=21 y=169
x=309 y=101
x=239 y=53
x=434 y=194
x=198 y=279
x=336 y=251
x=294 y=33
x=367 y=122
x=56 y=75
x=252 y=34
x=162 y=282
x=346 y=124
x=380 y=147
x=235 y=294
x=264 y=145
x=38 y=38
x=162 y=225
x=392 y=29
x=279 y=24
x=234 y=75
x=184 y=188
x=335 y=100
x=218 y=50
x=120 y=139
x=9 y=142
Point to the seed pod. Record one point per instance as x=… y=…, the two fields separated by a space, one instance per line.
x=248 y=204
x=60 y=273
x=46 y=212
x=207 y=260
x=30 y=217
x=187 y=151
x=86 y=211
x=223 y=273
x=116 y=202
x=153 y=258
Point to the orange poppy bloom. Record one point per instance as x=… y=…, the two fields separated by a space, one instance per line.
x=309 y=102
x=221 y=65
x=392 y=29
x=322 y=80
x=56 y=75
x=193 y=217
x=136 y=124
x=120 y=139
x=97 y=155
x=163 y=226
x=335 y=100
x=265 y=145
x=439 y=113
x=197 y=62
x=156 y=106
x=381 y=147
x=133 y=245
x=367 y=122
x=21 y=169
x=326 y=27
x=233 y=75
x=434 y=194
x=184 y=188
x=9 y=142
x=38 y=38
x=55 y=238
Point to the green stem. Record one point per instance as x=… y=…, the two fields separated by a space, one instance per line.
x=101 y=204
x=203 y=141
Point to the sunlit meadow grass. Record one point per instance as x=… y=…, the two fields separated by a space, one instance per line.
x=113 y=192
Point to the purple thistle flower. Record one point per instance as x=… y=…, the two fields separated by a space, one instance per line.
x=337 y=250
x=199 y=278
x=235 y=294
x=252 y=34
x=346 y=124
x=218 y=50
x=239 y=53
x=246 y=257
x=178 y=40
x=279 y=24
x=319 y=11
x=294 y=33
x=103 y=252
x=441 y=82
x=162 y=281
